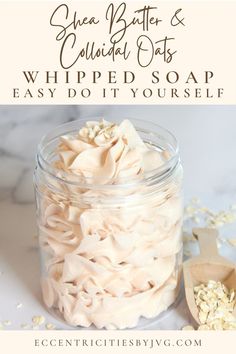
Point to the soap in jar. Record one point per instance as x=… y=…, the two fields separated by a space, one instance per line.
x=109 y=209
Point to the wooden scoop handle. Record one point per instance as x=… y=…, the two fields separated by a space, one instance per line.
x=207 y=239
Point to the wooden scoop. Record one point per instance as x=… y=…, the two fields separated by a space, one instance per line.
x=209 y=265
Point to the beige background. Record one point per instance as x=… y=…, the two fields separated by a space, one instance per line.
x=212 y=342
x=205 y=43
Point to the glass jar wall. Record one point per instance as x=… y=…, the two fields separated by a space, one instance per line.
x=111 y=250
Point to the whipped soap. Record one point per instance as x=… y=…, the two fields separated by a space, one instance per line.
x=109 y=219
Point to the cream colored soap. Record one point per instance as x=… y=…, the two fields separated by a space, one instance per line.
x=107 y=260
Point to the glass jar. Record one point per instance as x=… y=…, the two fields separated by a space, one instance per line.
x=111 y=254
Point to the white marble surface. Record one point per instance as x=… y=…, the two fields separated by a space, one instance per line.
x=207 y=137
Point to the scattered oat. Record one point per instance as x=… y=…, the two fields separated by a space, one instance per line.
x=190 y=210
x=19 y=305
x=195 y=200
x=196 y=219
x=6 y=323
x=50 y=326
x=25 y=326
x=200 y=214
x=188 y=328
x=35 y=327
x=38 y=320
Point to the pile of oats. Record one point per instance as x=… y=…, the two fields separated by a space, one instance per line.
x=38 y=320
x=93 y=129
x=215 y=303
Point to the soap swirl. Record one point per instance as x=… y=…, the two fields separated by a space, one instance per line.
x=109 y=266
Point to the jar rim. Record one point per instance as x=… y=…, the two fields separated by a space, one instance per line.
x=148 y=178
